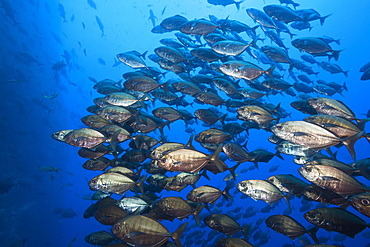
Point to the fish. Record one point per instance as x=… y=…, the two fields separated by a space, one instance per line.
x=231 y=47
x=287 y=182
x=199 y=27
x=91 y=4
x=311 y=15
x=332 y=68
x=101 y=61
x=114 y=183
x=62 y=12
x=332 y=178
x=144 y=231
x=179 y=208
x=132 y=59
x=173 y=22
x=315 y=46
x=261 y=17
x=225 y=3
x=336 y=219
x=152 y=17
x=225 y=224
x=245 y=70
x=186 y=160
x=287 y=2
x=289 y=227
x=99 y=238
x=325 y=196
x=208 y=194
x=49 y=169
x=312 y=136
x=109 y=215
x=100 y=24
x=233 y=242
x=262 y=190
x=281 y=13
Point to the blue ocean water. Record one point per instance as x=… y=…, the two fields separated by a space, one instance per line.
x=38 y=101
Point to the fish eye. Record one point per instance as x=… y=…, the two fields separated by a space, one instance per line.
x=117 y=228
x=365 y=202
x=164 y=160
x=279 y=127
x=309 y=169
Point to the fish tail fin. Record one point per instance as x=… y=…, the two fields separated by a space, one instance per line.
x=232 y=170
x=226 y=193
x=176 y=235
x=254 y=41
x=112 y=143
x=292 y=35
x=246 y=230
x=163 y=139
x=350 y=143
x=136 y=116
x=216 y=159
x=223 y=24
x=237 y=4
x=363 y=171
x=153 y=102
x=144 y=54
x=165 y=87
x=222 y=119
x=256 y=164
x=336 y=54
x=278 y=154
x=245 y=145
x=140 y=184
x=197 y=213
x=139 y=171
x=345 y=86
x=204 y=174
x=270 y=70
x=346 y=72
x=361 y=123
x=337 y=41
x=287 y=196
x=322 y=19
x=57 y=170
x=162 y=126
x=295 y=5
x=189 y=144
x=142 y=103
x=312 y=232
x=253 y=29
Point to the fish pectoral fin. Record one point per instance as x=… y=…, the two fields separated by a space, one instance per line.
x=135 y=234
x=255 y=114
x=300 y=134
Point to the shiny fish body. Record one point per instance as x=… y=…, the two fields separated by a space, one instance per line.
x=331 y=178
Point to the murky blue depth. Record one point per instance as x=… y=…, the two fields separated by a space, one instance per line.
x=83 y=37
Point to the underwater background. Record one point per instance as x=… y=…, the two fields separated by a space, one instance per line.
x=38 y=100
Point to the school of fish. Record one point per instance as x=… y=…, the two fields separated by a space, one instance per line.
x=210 y=74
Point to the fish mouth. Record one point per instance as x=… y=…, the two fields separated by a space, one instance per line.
x=354 y=202
x=309 y=216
